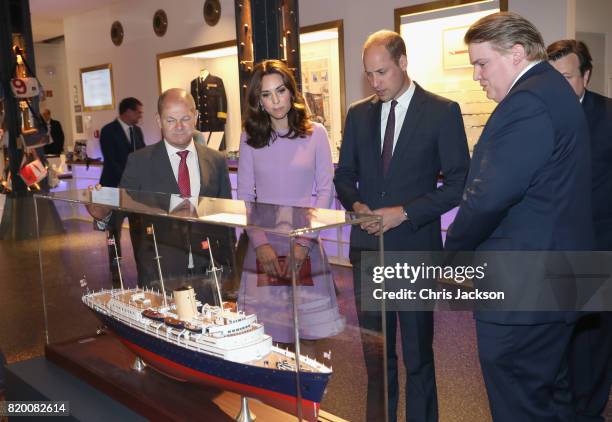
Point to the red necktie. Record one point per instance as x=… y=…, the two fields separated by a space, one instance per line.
x=183 y=175
x=387 y=151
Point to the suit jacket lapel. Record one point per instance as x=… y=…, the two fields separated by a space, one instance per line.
x=413 y=114
x=588 y=107
x=203 y=164
x=121 y=134
x=167 y=182
x=375 y=144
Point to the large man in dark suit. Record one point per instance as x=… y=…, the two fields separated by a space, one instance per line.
x=55 y=131
x=591 y=347
x=529 y=188
x=118 y=139
x=396 y=143
x=177 y=165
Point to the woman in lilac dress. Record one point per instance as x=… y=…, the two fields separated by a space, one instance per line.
x=284 y=159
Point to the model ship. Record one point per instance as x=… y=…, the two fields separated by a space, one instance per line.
x=212 y=345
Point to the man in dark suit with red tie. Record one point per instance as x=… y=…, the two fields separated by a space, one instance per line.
x=528 y=189
x=591 y=348
x=177 y=165
x=395 y=145
x=118 y=139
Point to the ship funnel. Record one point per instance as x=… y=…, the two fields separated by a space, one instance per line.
x=184 y=298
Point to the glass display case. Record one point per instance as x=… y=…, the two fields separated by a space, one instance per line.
x=203 y=301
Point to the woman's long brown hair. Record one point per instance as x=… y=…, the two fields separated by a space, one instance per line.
x=256 y=121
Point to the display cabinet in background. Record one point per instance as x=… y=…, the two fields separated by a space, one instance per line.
x=198 y=320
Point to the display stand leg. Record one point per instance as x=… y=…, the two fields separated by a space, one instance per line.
x=139 y=364
x=245 y=414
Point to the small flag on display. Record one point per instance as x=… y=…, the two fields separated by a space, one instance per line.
x=110 y=241
x=83 y=282
x=205 y=244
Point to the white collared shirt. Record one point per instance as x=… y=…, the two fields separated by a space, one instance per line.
x=192 y=165
x=194 y=178
x=529 y=66
x=403 y=101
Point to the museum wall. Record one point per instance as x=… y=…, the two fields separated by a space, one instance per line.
x=361 y=19
x=593 y=17
x=134 y=62
x=52 y=73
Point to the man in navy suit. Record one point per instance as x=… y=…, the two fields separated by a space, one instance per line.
x=529 y=188
x=395 y=145
x=118 y=139
x=591 y=348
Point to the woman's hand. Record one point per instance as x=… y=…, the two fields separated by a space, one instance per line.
x=268 y=259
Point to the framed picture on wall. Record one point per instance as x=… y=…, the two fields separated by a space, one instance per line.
x=322 y=62
x=454 y=51
x=97 y=87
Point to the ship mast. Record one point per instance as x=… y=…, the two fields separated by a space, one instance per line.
x=159 y=271
x=117 y=258
x=214 y=269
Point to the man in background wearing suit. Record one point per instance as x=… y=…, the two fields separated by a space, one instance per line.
x=591 y=348
x=54 y=129
x=528 y=189
x=118 y=139
x=396 y=143
x=177 y=165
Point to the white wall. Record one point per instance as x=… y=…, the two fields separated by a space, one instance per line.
x=52 y=74
x=596 y=16
x=555 y=19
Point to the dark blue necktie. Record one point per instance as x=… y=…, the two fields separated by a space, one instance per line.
x=387 y=151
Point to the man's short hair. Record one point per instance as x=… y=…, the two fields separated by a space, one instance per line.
x=505 y=29
x=562 y=48
x=392 y=41
x=175 y=92
x=129 y=103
